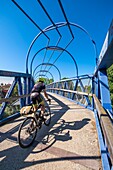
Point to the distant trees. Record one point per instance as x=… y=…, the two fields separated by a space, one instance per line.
x=46 y=80
x=70 y=83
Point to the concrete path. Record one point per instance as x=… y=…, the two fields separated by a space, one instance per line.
x=69 y=143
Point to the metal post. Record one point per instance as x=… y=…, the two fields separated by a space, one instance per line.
x=20 y=92
x=104 y=89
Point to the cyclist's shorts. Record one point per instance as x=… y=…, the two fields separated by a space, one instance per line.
x=37 y=98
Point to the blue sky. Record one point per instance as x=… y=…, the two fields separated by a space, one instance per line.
x=17 y=32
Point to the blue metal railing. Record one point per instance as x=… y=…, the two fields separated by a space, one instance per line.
x=82 y=91
x=78 y=89
x=24 y=82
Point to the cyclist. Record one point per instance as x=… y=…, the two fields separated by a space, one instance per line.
x=36 y=96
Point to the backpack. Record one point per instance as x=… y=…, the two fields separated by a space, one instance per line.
x=26 y=110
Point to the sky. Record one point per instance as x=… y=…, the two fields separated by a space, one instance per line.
x=17 y=33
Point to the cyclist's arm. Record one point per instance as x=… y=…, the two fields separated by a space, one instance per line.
x=45 y=93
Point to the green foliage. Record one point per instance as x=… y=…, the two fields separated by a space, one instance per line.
x=9 y=110
x=88 y=89
x=51 y=80
x=46 y=81
x=110 y=81
x=78 y=89
x=15 y=91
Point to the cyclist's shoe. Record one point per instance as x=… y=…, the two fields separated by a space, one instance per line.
x=49 y=100
x=37 y=116
x=43 y=118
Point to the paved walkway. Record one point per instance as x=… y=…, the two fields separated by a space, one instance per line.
x=69 y=143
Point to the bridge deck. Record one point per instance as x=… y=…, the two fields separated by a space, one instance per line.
x=70 y=142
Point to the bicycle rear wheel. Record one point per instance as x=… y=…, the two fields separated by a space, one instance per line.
x=27 y=132
x=47 y=116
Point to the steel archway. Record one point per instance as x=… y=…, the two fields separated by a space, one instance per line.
x=48 y=64
x=46 y=72
x=54 y=48
x=43 y=75
x=58 y=25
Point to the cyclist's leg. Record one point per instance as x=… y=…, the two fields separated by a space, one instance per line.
x=42 y=102
x=42 y=108
x=34 y=97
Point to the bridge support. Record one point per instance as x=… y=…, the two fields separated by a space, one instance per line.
x=7 y=96
x=104 y=89
x=24 y=88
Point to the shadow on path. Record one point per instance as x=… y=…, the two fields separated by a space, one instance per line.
x=14 y=158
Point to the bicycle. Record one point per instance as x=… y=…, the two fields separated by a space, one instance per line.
x=31 y=124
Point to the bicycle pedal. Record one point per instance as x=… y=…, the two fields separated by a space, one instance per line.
x=43 y=119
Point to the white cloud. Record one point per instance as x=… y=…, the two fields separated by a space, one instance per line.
x=6 y=80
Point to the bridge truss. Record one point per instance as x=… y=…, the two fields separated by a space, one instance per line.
x=91 y=91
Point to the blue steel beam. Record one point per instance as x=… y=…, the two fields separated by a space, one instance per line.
x=13 y=74
x=29 y=18
x=20 y=92
x=17 y=79
x=66 y=18
x=55 y=28
x=104 y=90
x=107 y=59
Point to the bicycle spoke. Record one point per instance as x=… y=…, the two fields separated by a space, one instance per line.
x=27 y=132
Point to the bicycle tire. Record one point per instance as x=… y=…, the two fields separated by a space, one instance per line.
x=47 y=116
x=29 y=132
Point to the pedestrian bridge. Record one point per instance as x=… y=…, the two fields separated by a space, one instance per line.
x=73 y=140
x=80 y=135
x=70 y=142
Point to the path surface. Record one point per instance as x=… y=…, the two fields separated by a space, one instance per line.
x=69 y=143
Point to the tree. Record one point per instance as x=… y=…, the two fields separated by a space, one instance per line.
x=46 y=80
x=70 y=83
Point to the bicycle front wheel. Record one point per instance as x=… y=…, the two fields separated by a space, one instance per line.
x=47 y=116
x=27 y=132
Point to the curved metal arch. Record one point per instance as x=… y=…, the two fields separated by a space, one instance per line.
x=49 y=64
x=42 y=75
x=53 y=48
x=51 y=27
x=46 y=72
